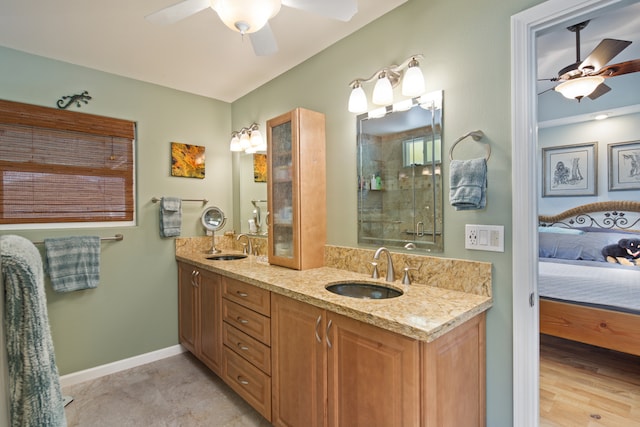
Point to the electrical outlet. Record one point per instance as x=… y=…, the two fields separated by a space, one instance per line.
x=484 y=237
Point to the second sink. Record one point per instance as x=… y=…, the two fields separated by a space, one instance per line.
x=226 y=257
x=363 y=290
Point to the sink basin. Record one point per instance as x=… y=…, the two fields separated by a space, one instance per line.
x=363 y=290
x=226 y=257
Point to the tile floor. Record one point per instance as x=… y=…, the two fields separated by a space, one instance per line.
x=176 y=391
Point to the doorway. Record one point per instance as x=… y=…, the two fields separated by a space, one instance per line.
x=524 y=28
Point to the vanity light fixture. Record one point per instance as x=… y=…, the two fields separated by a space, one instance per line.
x=248 y=139
x=386 y=79
x=579 y=87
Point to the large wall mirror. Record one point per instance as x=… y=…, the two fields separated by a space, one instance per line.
x=399 y=175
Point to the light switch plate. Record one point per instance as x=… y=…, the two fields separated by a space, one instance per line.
x=484 y=237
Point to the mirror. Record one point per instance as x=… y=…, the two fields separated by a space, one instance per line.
x=253 y=194
x=213 y=219
x=399 y=175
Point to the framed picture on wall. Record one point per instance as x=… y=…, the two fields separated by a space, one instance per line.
x=624 y=166
x=570 y=170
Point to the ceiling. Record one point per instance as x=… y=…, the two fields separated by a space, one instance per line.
x=556 y=49
x=199 y=54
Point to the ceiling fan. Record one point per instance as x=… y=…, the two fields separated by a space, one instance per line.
x=251 y=17
x=585 y=78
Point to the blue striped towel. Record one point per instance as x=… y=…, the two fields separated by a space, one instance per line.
x=170 y=216
x=73 y=263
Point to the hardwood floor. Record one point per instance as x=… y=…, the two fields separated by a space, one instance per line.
x=583 y=385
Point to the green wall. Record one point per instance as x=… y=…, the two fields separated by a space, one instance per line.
x=467 y=54
x=133 y=311
x=134 y=308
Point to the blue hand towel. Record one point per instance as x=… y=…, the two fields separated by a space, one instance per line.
x=468 y=184
x=73 y=263
x=35 y=397
x=170 y=216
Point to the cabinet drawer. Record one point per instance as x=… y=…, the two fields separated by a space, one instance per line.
x=248 y=321
x=247 y=295
x=250 y=349
x=249 y=382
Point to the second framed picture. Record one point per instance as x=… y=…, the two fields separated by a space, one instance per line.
x=624 y=166
x=570 y=170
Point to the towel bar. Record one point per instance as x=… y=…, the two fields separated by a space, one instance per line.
x=477 y=135
x=117 y=237
x=204 y=201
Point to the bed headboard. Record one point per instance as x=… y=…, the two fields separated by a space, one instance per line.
x=610 y=215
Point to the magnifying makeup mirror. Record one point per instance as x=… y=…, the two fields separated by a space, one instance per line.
x=213 y=219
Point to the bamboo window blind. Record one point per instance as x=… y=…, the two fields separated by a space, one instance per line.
x=62 y=166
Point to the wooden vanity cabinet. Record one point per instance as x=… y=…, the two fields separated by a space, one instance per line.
x=199 y=314
x=296 y=190
x=246 y=366
x=329 y=366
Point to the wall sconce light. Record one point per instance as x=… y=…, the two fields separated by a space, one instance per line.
x=248 y=139
x=579 y=87
x=386 y=79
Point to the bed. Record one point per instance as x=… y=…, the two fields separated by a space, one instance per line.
x=582 y=296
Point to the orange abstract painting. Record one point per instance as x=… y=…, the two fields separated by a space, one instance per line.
x=187 y=160
x=260 y=168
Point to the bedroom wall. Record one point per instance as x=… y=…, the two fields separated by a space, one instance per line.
x=612 y=130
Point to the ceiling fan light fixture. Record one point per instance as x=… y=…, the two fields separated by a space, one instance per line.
x=579 y=87
x=246 y=16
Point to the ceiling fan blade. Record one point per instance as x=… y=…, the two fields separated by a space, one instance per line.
x=178 y=11
x=342 y=10
x=603 y=53
x=626 y=67
x=263 y=41
x=600 y=90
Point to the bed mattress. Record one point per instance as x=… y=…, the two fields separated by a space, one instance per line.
x=592 y=283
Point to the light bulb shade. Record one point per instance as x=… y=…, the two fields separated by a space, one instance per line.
x=244 y=141
x=579 y=87
x=234 y=145
x=246 y=16
x=357 y=100
x=413 y=82
x=383 y=92
x=256 y=138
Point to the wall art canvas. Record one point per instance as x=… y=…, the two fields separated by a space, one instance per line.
x=624 y=166
x=260 y=168
x=570 y=170
x=187 y=160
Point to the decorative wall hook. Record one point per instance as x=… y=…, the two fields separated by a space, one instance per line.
x=83 y=97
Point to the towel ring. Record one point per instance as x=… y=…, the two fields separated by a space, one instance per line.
x=477 y=135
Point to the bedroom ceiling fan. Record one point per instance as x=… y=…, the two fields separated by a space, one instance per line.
x=251 y=17
x=585 y=78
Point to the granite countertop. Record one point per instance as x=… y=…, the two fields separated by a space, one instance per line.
x=423 y=312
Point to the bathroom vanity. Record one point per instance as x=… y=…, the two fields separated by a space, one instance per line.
x=303 y=356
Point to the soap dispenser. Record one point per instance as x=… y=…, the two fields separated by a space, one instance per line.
x=374 y=182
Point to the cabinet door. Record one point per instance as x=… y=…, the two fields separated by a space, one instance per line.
x=373 y=375
x=299 y=363
x=188 y=278
x=211 y=320
x=282 y=191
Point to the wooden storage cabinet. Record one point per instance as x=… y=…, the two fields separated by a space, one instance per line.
x=296 y=190
x=199 y=314
x=246 y=312
x=352 y=373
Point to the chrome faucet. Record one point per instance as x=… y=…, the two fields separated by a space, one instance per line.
x=390 y=274
x=246 y=247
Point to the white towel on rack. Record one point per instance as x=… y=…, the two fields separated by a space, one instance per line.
x=170 y=216
x=468 y=184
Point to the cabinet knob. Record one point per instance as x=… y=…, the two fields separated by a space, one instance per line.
x=242 y=294
x=241 y=320
x=242 y=346
x=242 y=380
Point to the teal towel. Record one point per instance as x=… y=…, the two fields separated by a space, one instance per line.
x=73 y=263
x=34 y=385
x=170 y=217
x=468 y=184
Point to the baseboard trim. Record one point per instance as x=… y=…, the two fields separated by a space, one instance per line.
x=120 y=365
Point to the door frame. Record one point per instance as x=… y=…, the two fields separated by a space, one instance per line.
x=525 y=178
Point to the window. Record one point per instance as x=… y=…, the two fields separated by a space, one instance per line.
x=416 y=152
x=61 y=166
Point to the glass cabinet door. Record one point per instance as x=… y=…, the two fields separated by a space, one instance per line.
x=282 y=190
